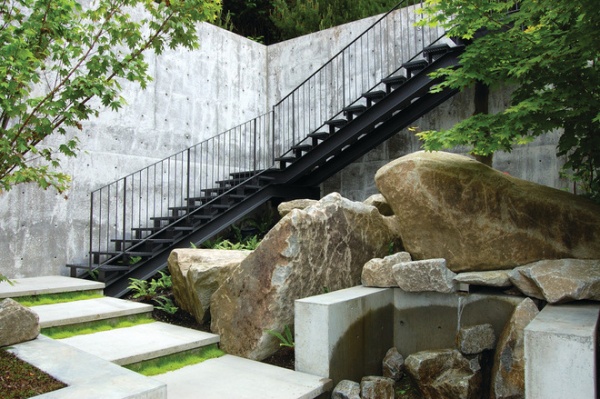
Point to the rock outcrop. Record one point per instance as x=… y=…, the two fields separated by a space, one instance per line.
x=559 y=281
x=477 y=218
x=508 y=372
x=429 y=275
x=378 y=272
x=286 y=207
x=445 y=374
x=197 y=273
x=17 y=323
x=322 y=247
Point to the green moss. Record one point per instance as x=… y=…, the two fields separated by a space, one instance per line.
x=61 y=332
x=49 y=299
x=176 y=361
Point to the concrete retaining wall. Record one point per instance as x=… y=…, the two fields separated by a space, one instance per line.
x=196 y=95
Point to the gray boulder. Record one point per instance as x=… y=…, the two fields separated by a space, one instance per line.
x=286 y=207
x=477 y=218
x=375 y=387
x=197 y=273
x=393 y=364
x=425 y=275
x=346 y=389
x=17 y=323
x=559 y=281
x=378 y=272
x=322 y=247
x=475 y=339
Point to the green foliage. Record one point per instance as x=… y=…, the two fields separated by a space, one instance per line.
x=3 y=278
x=62 y=332
x=248 y=244
x=549 y=52
x=149 y=290
x=286 y=338
x=61 y=62
x=47 y=299
x=165 y=304
x=175 y=361
x=298 y=17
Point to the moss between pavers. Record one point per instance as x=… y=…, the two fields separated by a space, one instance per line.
x=175 y=361
x=50 y=299
x=61 y=332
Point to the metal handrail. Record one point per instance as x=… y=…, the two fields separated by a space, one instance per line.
x=123 y=209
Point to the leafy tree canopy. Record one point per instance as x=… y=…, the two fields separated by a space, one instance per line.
x=549 y=50
x=60 y=62
x=298 y=17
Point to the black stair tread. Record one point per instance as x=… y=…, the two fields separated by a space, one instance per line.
x=436 y=48
x=246 y=174
x=128 y=253
x=219 y=206
x=416 y=64
x=391 y=80
x=301 y=147
x=355 y=108
x=337 y=122
x=374 y=94
x=141 y=240
x=319 y=135
x=287 y=158
x=183 y=228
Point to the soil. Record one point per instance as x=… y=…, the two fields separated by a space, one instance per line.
x=20 y=380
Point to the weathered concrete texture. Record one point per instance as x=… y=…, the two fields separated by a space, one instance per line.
x=17 y=323
x=561 y=352
x=445 y=374
x=450 y=206
x=323 y=247
x=424 y=276
x=344 y=334
x=508 y=372
x=198 y=273
x=378 y=272
x=559 y=281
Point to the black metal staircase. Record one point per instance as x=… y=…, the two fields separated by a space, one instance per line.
x=284 y=154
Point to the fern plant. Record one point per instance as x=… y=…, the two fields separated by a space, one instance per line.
x=286 y=338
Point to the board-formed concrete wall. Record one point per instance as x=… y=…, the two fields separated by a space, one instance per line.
x=194 y=96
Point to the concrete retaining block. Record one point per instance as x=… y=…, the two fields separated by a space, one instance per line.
x=344 y=334
x=560 y=352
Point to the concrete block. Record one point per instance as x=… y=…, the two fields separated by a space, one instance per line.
x=560 y=352
x=344 y=334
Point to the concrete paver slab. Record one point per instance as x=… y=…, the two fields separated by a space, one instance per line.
x=147 y=341
x=46 y=285
x=235 y=377
x=61 y=314
x=87 y=376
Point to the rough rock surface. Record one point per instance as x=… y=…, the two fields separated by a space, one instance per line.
x=492 y=278
x=378 y=272
x=196 y=275
x=375 y=387
x=475 y=339
x=17 y=323
x=379 y=202
x=424 y=275
x=445 y=374
x=286 y=207
x=508 y=372
x=346 y=389
x=450 y=206
x=392 y=364
x=559 y=281
x=321 y=247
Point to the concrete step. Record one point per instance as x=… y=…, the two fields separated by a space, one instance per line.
x=87 y=376
x=47 y=285
x=147 y=341
x=235 y=377
x=61 y=314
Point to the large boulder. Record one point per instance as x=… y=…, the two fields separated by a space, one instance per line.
x=508 y=371
x=17 y=323
x=321 y=248
x=559 y=280
x=477 y=218
x=197 y=273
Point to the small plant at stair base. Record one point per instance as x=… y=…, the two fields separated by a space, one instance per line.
x=286 y=339
x=165 y=304
x=149 y=290
x=4 y=278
